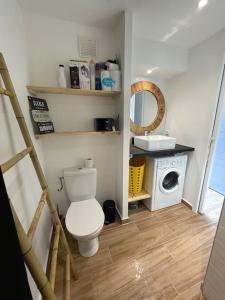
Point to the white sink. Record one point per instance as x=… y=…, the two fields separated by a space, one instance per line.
x=154 y=142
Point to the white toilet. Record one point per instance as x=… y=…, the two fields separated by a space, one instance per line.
x=85 y=217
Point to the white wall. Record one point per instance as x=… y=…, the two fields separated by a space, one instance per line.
x=169 y=61
x=21 y=182
x=147 y=54
x=52 y=41
x=192 y=104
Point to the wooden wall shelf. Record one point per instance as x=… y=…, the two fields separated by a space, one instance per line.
x=69 y=133
x=140 y=196
x=67 y=91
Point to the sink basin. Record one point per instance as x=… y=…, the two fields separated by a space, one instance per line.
x=155 y=142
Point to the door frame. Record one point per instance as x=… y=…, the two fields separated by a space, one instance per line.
x=214 y=133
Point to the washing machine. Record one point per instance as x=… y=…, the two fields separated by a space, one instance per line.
x=164 y=181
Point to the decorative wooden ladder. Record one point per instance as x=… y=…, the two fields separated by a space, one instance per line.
x=45 y=285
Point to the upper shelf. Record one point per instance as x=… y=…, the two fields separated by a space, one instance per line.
x=67 y=91
x=69 y=133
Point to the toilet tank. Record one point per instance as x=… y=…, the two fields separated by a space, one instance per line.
x=80 y=183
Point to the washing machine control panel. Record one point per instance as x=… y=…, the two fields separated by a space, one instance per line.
x=170 y=162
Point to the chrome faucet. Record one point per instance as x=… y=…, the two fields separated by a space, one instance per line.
x=148 y=132
x=166 y=133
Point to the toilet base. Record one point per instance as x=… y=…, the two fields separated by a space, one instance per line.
x=88 y=248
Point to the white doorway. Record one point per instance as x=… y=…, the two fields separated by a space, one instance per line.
x=213 y=186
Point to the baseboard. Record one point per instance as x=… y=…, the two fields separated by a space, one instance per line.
x=202 y=296
x=187 y=203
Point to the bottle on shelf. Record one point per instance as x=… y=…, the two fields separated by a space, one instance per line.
x=74 y=74
x=92 y=73
x=62 y=76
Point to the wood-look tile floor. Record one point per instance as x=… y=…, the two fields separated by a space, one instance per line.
x=160 y=255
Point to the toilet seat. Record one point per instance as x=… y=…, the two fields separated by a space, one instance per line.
x=84 y=219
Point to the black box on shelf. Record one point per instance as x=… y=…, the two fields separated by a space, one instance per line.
x=104 y=124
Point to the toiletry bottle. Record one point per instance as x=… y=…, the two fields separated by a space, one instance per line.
x=92 y=74
x=116 y=80
x=106 y=80
x=74 y=74
x=100 y=66
x=62 y=77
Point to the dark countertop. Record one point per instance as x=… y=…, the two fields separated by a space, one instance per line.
x=135 y=151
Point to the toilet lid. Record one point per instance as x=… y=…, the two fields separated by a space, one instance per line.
x=84 y=217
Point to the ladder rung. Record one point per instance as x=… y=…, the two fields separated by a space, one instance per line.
x=67 y=277
x=54 y=257
x=37 y=215
x=5 y=92
x=12 y=161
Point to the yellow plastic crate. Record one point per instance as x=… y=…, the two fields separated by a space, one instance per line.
x=136 y=174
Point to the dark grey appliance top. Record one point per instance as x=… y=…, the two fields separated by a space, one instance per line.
x=134 y=151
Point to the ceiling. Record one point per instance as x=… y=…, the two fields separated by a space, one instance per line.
x=176 y=22
x=179 y=22
x=88 y=12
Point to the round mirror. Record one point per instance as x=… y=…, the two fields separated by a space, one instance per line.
x=147 y=107
x=143 y=108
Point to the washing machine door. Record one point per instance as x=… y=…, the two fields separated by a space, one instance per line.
x=169 y=181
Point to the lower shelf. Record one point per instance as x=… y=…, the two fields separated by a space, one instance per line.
x=140 y=196
x=66 y=133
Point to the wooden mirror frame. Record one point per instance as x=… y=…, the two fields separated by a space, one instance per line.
x=152 y=88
